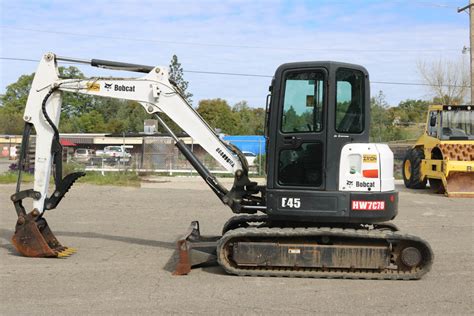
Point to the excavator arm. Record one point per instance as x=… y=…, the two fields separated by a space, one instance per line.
x=156 y=93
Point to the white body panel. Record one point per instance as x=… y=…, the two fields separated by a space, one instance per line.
x=366 y=168
x=387 y=181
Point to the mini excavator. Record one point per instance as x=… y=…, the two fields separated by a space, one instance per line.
x=329 y=196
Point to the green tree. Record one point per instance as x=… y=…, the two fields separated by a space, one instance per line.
x=412 y=111
x=92 y=121
x=14 y=101
x=74 y=104
x=13 y=105
x=176 y=75
x=132 y=115
x=250 y=120
x=11 y=121
x=16 y=94
x=218 y=114
x=382 y=128
x=259 y=121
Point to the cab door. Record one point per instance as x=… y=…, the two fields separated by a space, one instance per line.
x=301 y=132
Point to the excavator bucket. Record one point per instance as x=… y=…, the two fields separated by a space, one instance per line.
x=34 y=238
x=460 y=184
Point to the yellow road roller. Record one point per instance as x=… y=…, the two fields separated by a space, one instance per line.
x=444 y=154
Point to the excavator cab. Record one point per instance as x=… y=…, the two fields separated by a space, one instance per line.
x=317 y=109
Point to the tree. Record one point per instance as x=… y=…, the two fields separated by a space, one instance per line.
x=382 y=128
x=132 y=115
x=176 y=75
x=411 y=111
x=92 y=121
x=250 y=120
x=13 y=105
x=218 y=114
x=448 y=81
x=14 y=101
x=16 y=93
x=11 y=121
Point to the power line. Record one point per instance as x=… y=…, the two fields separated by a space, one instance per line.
x=19 y=59
x=432 y=4
x=229 y=45
x=227 y=73
x=259 y=75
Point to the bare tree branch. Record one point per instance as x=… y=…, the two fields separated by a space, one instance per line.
x=448 y=80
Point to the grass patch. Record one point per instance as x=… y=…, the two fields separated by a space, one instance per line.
x=111 y=178
x=10 y=177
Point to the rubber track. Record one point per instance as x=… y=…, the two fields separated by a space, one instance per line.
x=248 y=219
x=386 y=274
x=258 y=218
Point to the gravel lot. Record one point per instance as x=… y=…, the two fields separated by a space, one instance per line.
x=126 y=239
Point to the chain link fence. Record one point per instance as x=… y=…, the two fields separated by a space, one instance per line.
x=160 y=155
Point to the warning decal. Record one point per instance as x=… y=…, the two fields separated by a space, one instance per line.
x=93 y=86
x=369 y=158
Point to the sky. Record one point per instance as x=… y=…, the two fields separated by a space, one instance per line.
x=251 y=37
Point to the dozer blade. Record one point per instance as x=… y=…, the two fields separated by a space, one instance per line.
x=460 y=184
x=34 y=238
x=195 y=250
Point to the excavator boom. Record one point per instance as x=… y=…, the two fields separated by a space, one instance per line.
x=156 y=93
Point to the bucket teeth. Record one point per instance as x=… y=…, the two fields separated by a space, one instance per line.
x=65 y=253
x=68 y=251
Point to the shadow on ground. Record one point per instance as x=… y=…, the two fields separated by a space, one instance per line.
x=170 y=265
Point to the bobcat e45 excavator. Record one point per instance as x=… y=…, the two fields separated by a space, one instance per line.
x=329 y=193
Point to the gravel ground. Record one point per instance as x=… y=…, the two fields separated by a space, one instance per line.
x=126 y=239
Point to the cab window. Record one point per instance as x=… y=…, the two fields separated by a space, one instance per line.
x=433 y=124
x=303 y=102
x=349 y=101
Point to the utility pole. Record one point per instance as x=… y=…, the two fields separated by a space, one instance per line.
x=470 y=6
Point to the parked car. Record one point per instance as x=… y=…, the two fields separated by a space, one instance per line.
x=250 y=156
x=83 y=154
x=114 y=154
x=114 y=151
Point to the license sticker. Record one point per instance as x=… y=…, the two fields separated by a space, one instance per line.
x=368 y=205
x=369 y=158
